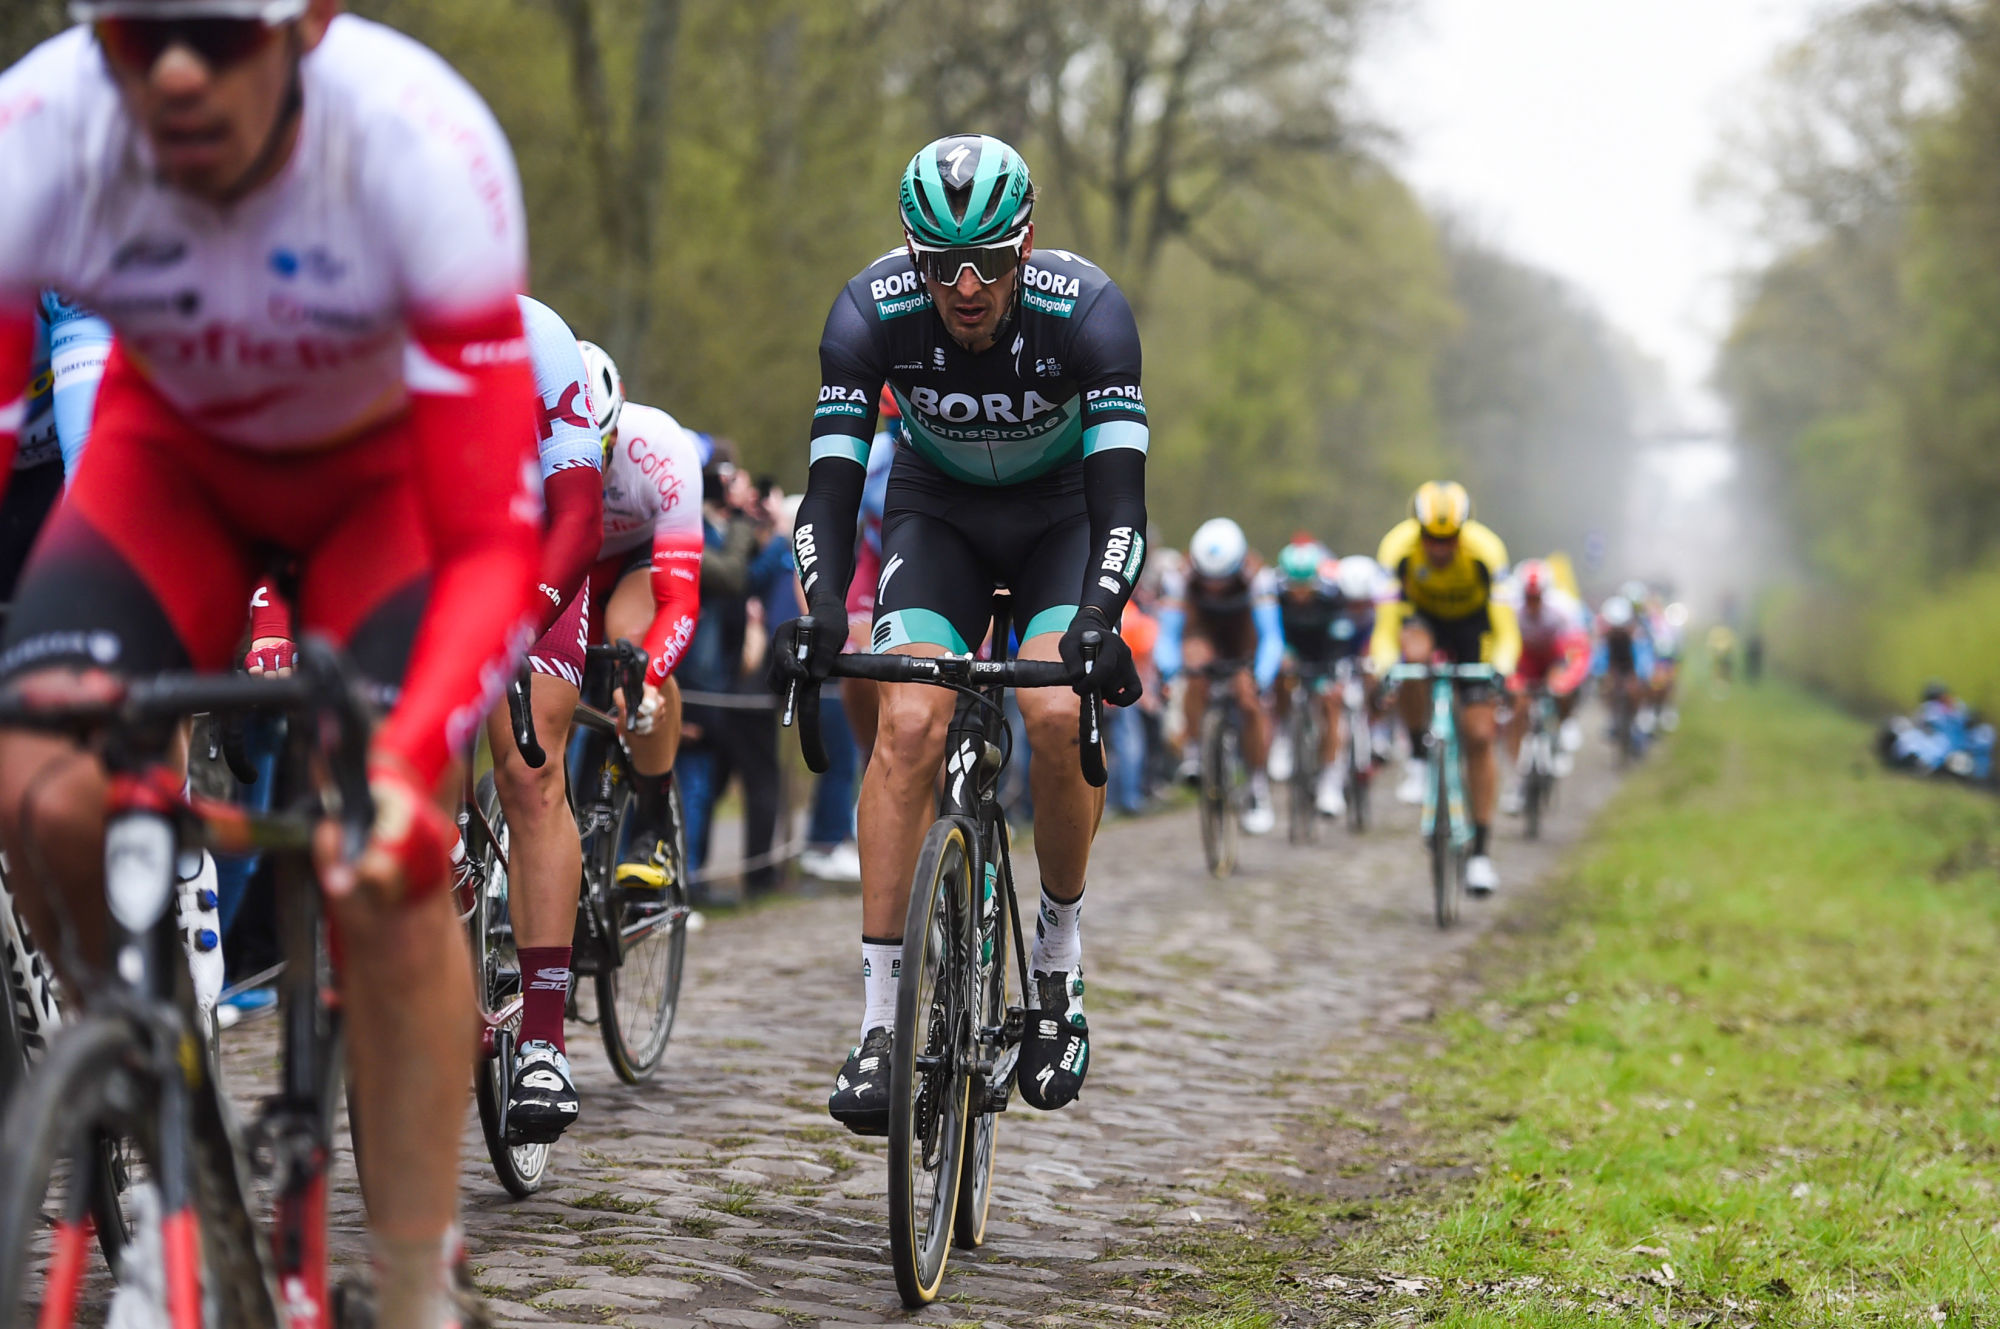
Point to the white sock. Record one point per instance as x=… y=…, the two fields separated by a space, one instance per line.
x=881 y=970
x=1058 y=947
x=413 y=1278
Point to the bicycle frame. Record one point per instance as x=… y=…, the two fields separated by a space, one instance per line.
x=1444 y=742
x=149 y=819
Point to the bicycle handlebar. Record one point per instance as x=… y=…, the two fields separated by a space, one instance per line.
x=1465 y=673
x=320 y=689
x=952 y=671
x=630 y=662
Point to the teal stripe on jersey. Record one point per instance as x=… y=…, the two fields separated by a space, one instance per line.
x=1115 y=434
x=841 y=445
x=1001 y=461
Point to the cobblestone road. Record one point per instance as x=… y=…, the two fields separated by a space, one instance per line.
x=722 y=1195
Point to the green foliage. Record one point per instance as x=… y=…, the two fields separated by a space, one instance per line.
x=1864 y=367
x=702 y=179
x=1746 y=1075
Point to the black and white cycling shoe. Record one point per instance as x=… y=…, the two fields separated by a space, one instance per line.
x=860 y=1098
x=542 y=1101
x=1056 y=1052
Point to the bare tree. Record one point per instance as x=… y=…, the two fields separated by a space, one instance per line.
x=627 y=155
x=1160 y=117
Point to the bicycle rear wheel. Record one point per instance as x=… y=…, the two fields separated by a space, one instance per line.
x=995 y=944
x=929 y=1084
x=1444 y=855
x=1218 y=820
x=638 y=997
x=497 y=971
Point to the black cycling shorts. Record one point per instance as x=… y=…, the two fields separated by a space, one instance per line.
x=32 y=492
x=1461 y=639
x=947 y=544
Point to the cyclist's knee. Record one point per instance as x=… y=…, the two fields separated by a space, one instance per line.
x=526 y=789
x=50 y=790
x=910 y=731
x=1051 y=717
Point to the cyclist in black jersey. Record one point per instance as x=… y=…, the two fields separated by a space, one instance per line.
x=1022 y=461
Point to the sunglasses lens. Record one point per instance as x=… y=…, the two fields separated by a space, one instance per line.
x=990 y=263
x=137 y=44
x=133 y=43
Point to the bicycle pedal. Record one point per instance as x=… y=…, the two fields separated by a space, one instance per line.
x=1015 y=1027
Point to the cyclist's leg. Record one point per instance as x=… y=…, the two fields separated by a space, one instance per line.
x=1197 y=653
x=1413 y=698
x=1044 y=572
x=1332 y=721
x=935 y=598
x=406 y=975
x=1256 y=722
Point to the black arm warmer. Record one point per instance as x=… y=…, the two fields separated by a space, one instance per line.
x=1114 y=490
x=823 y=538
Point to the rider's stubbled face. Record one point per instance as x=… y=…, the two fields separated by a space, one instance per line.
x=1439 y=553
x=972 y=310
x=208 y=127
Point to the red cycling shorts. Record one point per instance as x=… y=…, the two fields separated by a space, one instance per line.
x=149 y=561
x=560 y=652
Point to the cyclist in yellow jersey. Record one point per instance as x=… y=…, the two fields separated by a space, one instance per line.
x=1445 y=566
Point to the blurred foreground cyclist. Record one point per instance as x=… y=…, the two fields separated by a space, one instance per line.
x=307 y=233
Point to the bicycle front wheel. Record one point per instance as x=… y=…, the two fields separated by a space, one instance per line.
x=83 y=1094
x=1301 y=825
x=1444 y=855
x=1535 y=786
x=995 y=945
x=497 y=972
x=1218 y=813
x=929 y=1084
x=638 y=997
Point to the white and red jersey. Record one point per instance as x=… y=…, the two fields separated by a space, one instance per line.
x=652 y=493
x=297 y=315
x=1555 y=643
x=365 y=292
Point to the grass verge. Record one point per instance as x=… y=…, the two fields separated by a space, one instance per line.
x=1743 y=1072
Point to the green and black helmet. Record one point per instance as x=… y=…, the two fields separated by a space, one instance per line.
x=966 y=189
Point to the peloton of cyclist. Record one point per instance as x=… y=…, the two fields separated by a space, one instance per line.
x=1447 y=566
x=1022 y=460
x=1224 y=606
x=307 y=233
x=1555 y=653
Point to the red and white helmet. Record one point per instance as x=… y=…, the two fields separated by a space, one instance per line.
x=1534 y=576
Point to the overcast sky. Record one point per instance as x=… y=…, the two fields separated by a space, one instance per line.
x=1573 y=133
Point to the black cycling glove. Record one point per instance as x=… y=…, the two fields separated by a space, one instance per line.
x=1113 y=675
x=787 y=667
